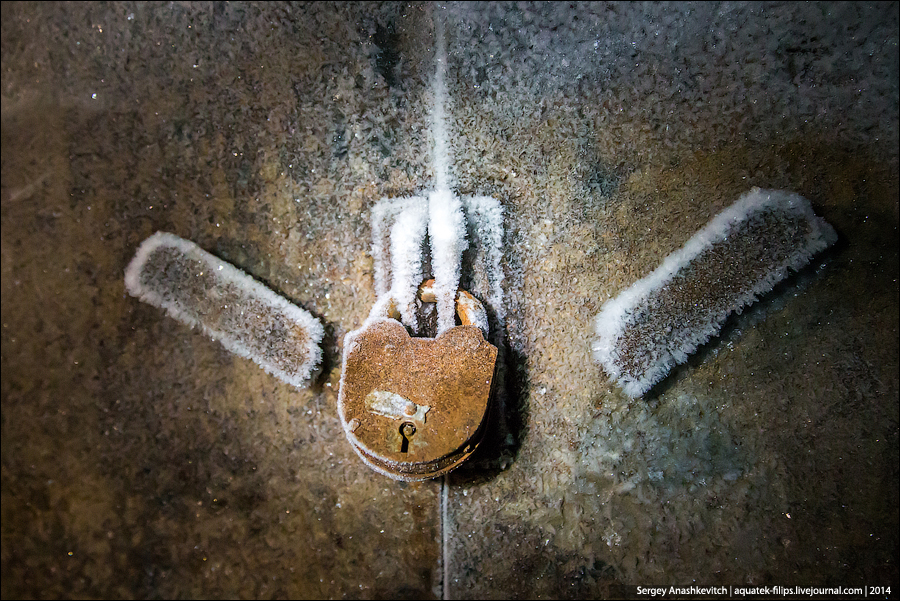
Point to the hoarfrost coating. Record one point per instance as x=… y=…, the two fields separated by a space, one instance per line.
x=742 y=253
x=407 y=234
x=443 y=217
x=446 y=228
x=469 y=228
x=247 y=318
x=485 y=214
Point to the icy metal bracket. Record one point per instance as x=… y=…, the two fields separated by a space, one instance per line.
x=247 y=318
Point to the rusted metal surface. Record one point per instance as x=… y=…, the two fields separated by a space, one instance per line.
x=469 y=309
x=413 y=408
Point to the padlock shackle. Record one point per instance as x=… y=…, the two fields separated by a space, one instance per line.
x=470 y=310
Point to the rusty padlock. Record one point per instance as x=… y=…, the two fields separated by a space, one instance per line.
x=415 y=408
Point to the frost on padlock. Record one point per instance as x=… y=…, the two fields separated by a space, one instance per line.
x=415 y=408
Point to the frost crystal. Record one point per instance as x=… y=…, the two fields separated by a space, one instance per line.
x=739 y=255
x=200 y=290
x=444 y=217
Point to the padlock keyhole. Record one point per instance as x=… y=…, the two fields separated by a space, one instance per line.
x=407 y=429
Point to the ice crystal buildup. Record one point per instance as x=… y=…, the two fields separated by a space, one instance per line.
x=742 y=253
